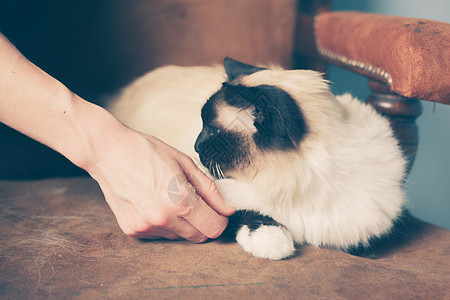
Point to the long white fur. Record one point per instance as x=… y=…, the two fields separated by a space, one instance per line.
x=167 y=102
x=341 y=188
x=274 y=242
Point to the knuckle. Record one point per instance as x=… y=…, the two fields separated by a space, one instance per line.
x=129 y=231
x=139 y=227
x=161 y=220
x=185 y=211
x=126 y=227
x=145 y=224
x=126 y=231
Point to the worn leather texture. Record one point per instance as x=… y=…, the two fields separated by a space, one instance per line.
x=59 y=240
x=414 y=52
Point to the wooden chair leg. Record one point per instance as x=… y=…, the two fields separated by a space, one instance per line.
x=402 y=113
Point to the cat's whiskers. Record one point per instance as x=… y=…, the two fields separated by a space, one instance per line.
x=220 y=172
x=216 y=169
x=213 y=168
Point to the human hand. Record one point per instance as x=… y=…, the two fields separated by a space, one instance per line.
x=134 y=171
x=156 y=191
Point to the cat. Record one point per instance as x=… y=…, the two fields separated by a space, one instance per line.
x=299 y=164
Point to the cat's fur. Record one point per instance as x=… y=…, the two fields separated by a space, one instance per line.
x=300 y=164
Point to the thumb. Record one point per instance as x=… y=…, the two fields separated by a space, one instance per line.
x=206 y=188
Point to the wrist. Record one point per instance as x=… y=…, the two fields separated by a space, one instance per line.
x=94 y=128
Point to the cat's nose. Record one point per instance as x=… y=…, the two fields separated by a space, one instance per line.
x=199 y=141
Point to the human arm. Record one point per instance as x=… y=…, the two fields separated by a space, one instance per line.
x=133 y=170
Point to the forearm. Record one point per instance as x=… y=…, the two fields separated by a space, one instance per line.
x=41 y=107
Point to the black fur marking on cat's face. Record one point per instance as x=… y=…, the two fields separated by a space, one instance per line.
x=278 y=125
x=278 y=119
x=234 y=68
x=219 y=150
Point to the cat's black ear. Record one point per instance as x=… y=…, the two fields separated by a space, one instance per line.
x=234 y=68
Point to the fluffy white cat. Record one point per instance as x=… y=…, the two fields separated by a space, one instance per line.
x=300 y=164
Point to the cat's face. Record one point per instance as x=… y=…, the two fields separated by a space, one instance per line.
x=245 y=121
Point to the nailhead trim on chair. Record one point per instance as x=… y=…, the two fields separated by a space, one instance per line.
x=370 y=70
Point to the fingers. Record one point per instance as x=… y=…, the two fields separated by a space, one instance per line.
x=156 y=234
x=188 y=232
x=206 y=188
x=196 y=212
x=205 y=219
x=184 y=231
x=162 y=222
x=166 y=225
x=184 y=215
x=178 y=229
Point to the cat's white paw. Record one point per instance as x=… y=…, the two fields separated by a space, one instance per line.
x=273 y=242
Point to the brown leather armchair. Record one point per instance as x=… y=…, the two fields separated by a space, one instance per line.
x=59 y=237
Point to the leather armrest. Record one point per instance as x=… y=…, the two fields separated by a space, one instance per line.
x=412 y=56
